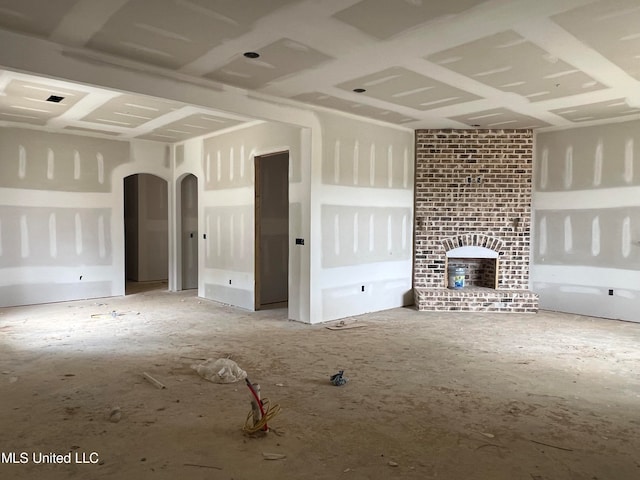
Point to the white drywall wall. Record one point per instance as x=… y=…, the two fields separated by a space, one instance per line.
x=61 y=213
x=587 y=221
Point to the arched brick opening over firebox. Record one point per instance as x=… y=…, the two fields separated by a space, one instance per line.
x=473 y=240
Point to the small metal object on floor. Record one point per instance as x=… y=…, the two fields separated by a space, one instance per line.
x=338 y=379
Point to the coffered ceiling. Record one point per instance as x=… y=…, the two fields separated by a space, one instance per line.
x=417 y=63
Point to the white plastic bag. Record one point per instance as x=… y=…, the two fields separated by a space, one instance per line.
x=222 y=370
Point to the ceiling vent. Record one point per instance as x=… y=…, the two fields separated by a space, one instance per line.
x=55 y=99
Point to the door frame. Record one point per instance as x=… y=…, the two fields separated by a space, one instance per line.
x=257 y=159
x=181 y=230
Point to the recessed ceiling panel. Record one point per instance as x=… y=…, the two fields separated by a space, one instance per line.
x=597 y=111
x=36 y=17
x=27 y=102
x=356 y=108
x=277 y=60
x=172 y=33
x=511 y=63
x=612 y=27
x=499 y=118
x=383 y=19
x=189 y=127
x=91 y=130
x=129 y=111
x=409 y=89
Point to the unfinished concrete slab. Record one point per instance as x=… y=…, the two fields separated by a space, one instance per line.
x=429 y=395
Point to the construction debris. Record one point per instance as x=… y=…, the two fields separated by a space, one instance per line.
x=273 y=456
x=153 y=381
x=222 y=370
x=115 y=415
x=342 y=325
x=338 y=379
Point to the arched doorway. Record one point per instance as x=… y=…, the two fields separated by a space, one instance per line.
x=189 y=231
x=146 y=231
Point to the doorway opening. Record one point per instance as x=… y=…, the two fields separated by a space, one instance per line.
x=272 y=230
x=146 y=233
x=189 y=231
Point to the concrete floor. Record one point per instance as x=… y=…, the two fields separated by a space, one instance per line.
x=447 y=396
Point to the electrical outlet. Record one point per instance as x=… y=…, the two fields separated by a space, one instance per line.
x=611 y=291
x=229 y=281
x=362 y=288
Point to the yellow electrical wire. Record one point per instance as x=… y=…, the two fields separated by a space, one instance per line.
x=269 y=414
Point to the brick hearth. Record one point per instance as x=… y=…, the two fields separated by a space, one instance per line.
x=473 y=188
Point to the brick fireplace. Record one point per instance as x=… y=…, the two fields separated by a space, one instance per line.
x=473 y=210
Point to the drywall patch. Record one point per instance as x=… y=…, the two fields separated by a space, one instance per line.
x=224 y=226
x=76 y=165
x=363 y=154
x=542 y=236
x=568 y=235
x=100 y=160
x=179 y=155
x=603 y=156
x=626 y=237
x=598 y=161
x=51 y=164
x=600 y=238
x=568 y=167
x=544 y=168
x=22 y=162
x=46 y=236
x=628 y=160
x=218 y=165
x=259 y=138
x=366 y=235
x=595 y=236
x=167 y=156
x=52 y=161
